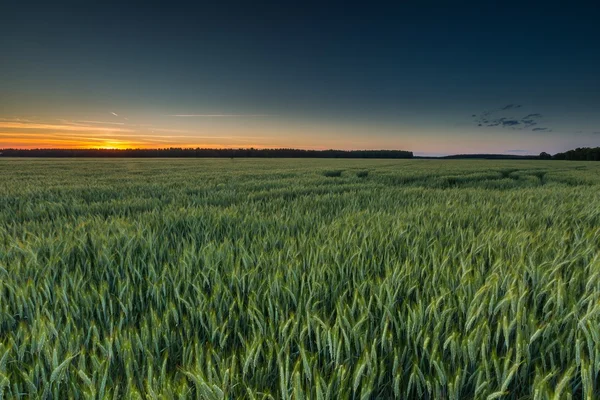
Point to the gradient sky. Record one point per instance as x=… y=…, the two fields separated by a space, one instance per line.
x=434 y=77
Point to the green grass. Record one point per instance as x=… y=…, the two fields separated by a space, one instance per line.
x=260 y=279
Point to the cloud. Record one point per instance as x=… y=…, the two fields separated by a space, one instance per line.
x=21 y=133
x=60 y=127
x=87 y=123
x=115 y=114
x=218 y=115
x=165 y=130
x=95 y=140
x=529 y=122
x=596 y=133
x=16 y=120
x=507 y=117
x=100 y=122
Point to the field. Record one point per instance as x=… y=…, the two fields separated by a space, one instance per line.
x=299 y=279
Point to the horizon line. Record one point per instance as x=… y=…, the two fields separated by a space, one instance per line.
x=268 y=149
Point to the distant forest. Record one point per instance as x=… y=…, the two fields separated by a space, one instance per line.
x=226 y=153
x=579 y=154
x=582 y=154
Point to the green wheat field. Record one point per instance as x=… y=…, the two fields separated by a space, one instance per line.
x=299 y=279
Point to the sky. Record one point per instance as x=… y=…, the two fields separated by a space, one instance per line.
x=434 y=78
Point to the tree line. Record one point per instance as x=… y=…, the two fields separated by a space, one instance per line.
x=199 y=152
x=580 y=153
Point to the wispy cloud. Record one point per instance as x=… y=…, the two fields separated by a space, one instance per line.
x=16 y=120
x=100 y=122
x=536 y=115
x=168 y=130
x=218 y=115
x=59 y=127
x=511 y=106
x=114 y=113
x=93 y=133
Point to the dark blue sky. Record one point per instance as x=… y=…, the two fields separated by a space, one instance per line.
x=431 y=77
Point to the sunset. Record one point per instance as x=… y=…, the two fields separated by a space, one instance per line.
x=412 y=77
x=264 y=200
x=221 y=131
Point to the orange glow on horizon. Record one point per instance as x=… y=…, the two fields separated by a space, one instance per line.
x=29 y=134
x=68 y=134
x=30 y=145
